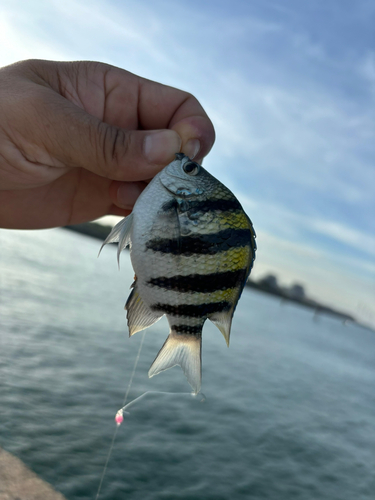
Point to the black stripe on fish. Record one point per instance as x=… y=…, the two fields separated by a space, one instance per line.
x=192 y=310
x=203 y=283
x=203 y=243
x=169 y=205
x=211 y=205
x=186 y=205
x=187 y=329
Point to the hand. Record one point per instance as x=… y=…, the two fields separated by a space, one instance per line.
x=78 y=140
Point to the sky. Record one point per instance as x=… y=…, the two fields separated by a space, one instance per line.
x=290 y=88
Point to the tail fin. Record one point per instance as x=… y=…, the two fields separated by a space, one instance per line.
x=183 y=350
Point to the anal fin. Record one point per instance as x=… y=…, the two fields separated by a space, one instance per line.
x=139 y=315
x=183 y=350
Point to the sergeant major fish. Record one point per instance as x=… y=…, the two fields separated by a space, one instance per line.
x=192 y=250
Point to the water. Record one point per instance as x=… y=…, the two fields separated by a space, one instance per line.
x=290 y=407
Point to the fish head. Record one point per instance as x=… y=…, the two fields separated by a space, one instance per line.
x=185 y=178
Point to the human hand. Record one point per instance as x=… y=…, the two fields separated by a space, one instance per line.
x=78 y=140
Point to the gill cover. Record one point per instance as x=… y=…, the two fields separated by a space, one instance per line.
x=183 y=177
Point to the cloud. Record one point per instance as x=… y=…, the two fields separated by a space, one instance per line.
x=366 y=70
x=16 y=42
x=349 y=236
x=335 y=241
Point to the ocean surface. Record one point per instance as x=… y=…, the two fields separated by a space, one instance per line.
x=289 y=411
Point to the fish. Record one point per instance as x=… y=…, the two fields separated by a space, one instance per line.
x=192 y=248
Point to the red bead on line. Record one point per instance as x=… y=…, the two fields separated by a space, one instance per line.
x=119 y=418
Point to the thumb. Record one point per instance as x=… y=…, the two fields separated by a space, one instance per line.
x=75 y=138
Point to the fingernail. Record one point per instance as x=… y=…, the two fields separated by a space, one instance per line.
x=160 y=146
x=127 y=194
x=191 y=148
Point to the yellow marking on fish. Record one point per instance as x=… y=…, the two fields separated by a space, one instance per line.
x=221 y=295
x=234 y=259
x=230 y=260
x=221 y=193
x=214 y=221
x=235 y=220
x=197 y=298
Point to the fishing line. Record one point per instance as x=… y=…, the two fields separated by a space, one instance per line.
x=120 y=413
x=117 y=422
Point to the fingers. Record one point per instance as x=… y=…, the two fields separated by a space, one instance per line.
x=135 y=127
x=162 y=106
x=125 y=194
x=103 y=119
x=197 y=136
x=74 y=138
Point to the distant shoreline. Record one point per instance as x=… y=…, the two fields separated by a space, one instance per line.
x=306 y=302
x=100 y=231
x=91 y=229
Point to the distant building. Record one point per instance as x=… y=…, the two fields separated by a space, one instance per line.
x=269 y=282
x=297 y=292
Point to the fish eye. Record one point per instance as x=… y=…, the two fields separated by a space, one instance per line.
x=191 y=168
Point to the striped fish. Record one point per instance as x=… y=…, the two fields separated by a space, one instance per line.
x=192 y=249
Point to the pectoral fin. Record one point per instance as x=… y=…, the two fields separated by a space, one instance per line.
x=121 y=234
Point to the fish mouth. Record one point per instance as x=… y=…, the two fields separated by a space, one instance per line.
x=180 y=156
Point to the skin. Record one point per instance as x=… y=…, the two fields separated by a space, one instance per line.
x=79 y=140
